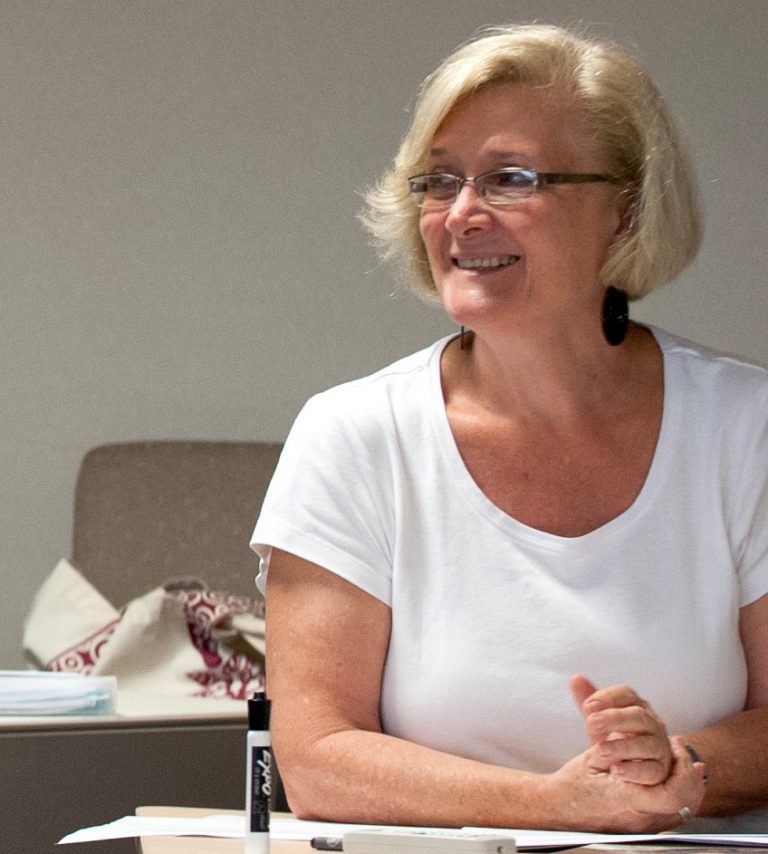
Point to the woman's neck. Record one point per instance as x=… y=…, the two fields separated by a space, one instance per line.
x=550 y=377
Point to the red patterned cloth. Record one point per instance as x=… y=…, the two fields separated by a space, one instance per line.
x=82 y=657
x=232 y=669
x=228 y=673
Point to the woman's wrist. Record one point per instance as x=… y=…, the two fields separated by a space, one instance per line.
x=520 y=799
x=549 y=801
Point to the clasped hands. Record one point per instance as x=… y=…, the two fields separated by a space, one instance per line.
x=633 y=778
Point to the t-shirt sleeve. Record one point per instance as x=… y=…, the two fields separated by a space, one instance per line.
x=753 y=561
x=329 y=501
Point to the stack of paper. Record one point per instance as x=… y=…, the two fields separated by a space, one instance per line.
x=36 y=692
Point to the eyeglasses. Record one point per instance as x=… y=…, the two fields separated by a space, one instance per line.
x=436 y=190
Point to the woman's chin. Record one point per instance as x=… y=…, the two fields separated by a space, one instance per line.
x=478 y=290
x=474 y=307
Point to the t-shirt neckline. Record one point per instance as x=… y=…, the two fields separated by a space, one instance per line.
x=463 y=481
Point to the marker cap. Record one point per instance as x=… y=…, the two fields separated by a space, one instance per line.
x=258 y=711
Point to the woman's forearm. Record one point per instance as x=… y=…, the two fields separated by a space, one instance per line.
x=735 y=753
x=359 y=776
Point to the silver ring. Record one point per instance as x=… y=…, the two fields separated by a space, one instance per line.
x=685 y=813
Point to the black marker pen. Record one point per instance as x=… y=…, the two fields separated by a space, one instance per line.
x=258 y=786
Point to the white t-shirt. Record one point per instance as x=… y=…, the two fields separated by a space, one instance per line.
x=490 y=616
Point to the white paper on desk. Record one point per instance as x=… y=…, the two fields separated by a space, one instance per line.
x=223 y=826
x=532 y=840
x=233 y=827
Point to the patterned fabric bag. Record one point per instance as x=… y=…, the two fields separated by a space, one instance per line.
x=179 y=639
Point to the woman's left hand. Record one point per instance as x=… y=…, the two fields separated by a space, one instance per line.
x=629 y=739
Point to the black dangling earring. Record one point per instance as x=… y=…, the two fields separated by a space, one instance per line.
x=463 y=339
x=615 y=316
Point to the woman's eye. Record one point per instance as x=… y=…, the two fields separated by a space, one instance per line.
x=511 y=179
x=439 y=184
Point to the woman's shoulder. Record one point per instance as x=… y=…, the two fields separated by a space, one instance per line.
x=370 y=404
x=713 y=371
x=405 y=377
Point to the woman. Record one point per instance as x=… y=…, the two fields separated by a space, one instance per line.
x=555 y=499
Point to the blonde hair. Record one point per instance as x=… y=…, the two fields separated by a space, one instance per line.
x=627 y=117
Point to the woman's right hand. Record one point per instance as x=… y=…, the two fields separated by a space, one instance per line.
x=593 y=797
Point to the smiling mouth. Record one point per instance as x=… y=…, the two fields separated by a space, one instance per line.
x=486 y=263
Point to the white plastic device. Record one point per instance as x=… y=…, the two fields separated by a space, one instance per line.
x=426 y=842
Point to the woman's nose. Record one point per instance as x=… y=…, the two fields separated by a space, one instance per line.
x=468 y=208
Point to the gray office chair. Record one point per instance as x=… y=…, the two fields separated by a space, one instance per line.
x=146 y=512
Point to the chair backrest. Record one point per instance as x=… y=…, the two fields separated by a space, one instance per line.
x=146 y=512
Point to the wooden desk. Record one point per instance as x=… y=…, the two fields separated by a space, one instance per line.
x=206 y=845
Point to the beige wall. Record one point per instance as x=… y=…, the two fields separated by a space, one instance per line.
x=178 y=184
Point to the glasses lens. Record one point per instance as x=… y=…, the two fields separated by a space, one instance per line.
x=433 y=190
x=506 y=185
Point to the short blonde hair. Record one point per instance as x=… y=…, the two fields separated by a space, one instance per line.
x=631 y=125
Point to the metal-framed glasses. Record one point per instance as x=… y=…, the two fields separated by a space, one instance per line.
x=436 y=190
